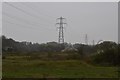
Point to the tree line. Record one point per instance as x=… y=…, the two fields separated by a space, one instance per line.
x=10 y=45
x=106 y=52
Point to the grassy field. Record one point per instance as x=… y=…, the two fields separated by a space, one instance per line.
x=21 y=67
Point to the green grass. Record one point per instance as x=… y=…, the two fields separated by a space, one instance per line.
x=20 y=67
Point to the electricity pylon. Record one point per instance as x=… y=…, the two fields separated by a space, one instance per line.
x=61 y=24
x=86 y=39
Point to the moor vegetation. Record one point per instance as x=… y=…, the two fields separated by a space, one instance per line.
x=51 y=59
x=105 y=53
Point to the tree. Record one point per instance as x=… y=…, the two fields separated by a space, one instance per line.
x=108 y=53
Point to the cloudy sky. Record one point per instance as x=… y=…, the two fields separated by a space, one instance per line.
x=35 y=21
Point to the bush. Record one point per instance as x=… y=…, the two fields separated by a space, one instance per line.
x=107 y=57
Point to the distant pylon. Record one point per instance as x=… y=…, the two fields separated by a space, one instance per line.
x=61 y=28
x=93 y=42
x=86 y=39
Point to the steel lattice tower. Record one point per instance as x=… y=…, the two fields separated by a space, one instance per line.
x=61 y=29
x=86 y=39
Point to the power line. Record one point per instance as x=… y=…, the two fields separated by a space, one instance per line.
x=39 y=11
x=36 y=17
x=26 y=22
x=20 y=25
x=29 y=25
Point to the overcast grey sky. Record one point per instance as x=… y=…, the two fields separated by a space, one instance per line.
x=35 y=21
